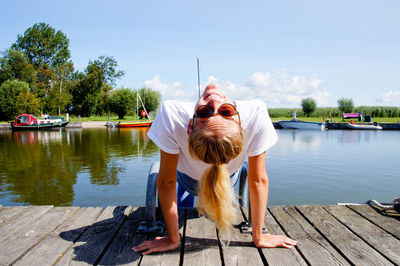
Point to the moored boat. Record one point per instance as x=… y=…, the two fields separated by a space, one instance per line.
x=298 y=124
x=143 y=113
x=134 y=124
x=373 y=126
x=29 y=122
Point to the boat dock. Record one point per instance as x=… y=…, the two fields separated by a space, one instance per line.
x=326 y=235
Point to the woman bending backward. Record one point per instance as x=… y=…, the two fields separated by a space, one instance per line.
x=204 y=152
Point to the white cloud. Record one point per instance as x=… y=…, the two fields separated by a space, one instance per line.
x=278 y=89
x=174 y=91
x=389 y=96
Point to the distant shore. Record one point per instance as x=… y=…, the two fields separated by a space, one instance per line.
x=103 y=124
x=88 y=124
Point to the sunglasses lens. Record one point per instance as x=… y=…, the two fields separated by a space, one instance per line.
x=227 y=110
x=204 y=111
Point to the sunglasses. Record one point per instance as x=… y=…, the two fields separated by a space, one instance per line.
x=226 y=110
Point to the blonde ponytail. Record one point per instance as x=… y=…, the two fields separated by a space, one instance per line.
x=216 y=197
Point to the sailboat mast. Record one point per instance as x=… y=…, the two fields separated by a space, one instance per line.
x=198 y=75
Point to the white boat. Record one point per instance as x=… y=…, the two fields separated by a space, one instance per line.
x=298 y=124
x=374 y=126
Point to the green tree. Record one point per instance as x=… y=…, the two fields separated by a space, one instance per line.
x=309 y=105
x=60 y=90
x=46 y=49
x=150 y=98
x=9 y=92
x=122 y=101
x=44 y=45
x=94 y=85
x=345 y=105
x=15 y=65
x=28 y=103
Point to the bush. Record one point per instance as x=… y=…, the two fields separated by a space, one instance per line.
x=308 y=105
x=151 y=100
x=9 y=92
x=121 y=101
x=28 y=103
x=345 y=105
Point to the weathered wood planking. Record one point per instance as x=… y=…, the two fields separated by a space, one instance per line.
x=20 y=242
x=55 y=244
x=170 y=257
x=120 y=250
x=241 y=250
x=280 y=256
x=390 y=224
x=7 y=213
x=351 y=246
x=201 y=242
x=376 y=237
x=17 y=223
x=92 y=244
x=313 y=246
x=330 y=235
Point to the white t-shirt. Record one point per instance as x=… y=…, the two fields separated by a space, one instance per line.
x=169 y=132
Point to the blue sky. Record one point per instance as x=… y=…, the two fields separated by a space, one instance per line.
x=277 y=51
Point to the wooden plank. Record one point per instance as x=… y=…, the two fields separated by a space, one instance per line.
x=20 y=242
x=170 y=257
x=350 y=245
x=279 y=256
x=120 y=250
x=52 y=247
x=241 y=250
x=7 y=213
x=92 y=244
x=19 y=223
x=378 y=238
x=310 y=243
x=201 y=243
x=390 y=224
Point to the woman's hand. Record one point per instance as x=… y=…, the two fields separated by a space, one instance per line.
x=272 y=241
x=157 y=245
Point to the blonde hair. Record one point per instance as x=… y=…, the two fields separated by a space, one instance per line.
x=216 y=195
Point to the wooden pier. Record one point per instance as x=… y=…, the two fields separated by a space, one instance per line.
x=326 y=235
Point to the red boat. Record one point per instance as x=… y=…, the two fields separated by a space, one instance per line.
x=29 y=122
x=135 y=124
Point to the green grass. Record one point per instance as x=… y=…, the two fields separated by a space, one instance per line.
x=133 y=118
x=103 y=118
x=73 y=119
x=339 y=119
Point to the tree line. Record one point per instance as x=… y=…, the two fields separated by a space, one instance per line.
x=37 y=76
x=345 y=105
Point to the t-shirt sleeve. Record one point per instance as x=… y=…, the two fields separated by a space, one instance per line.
x=263 y=135
x=162 y=130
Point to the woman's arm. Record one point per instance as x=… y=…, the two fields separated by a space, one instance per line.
x=166 y=186
x=258 y=189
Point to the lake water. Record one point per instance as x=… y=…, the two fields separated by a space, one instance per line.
x=102 y=167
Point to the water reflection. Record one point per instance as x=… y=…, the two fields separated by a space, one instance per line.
x=41 y=167
x=101 y=167
x=290 y=141
x=45 y=136
x=333 y=166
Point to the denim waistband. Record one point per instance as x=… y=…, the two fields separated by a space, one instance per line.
x=192 y=185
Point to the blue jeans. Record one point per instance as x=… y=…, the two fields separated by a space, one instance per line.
x=188 y=187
